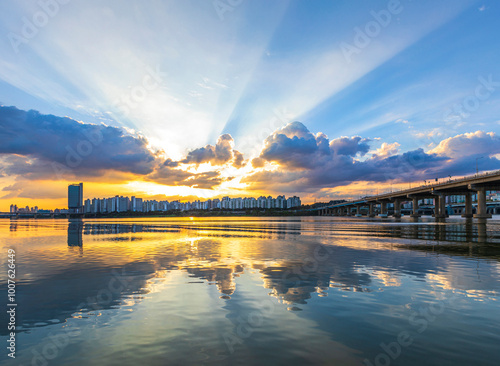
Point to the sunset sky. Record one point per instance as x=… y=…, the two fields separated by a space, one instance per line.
x=192 y=98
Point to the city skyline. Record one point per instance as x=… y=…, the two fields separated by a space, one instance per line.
x=118 y=203
x=149 y=110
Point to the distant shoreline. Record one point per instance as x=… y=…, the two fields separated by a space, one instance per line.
x=191 y=213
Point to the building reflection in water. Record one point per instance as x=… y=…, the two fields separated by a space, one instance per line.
x=75 y=233
x=13 y=225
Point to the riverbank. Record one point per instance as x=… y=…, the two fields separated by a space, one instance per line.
x=173 y=213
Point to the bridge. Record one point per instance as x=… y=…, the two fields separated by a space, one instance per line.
x=477 y=184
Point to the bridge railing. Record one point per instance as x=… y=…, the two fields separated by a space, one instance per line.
x=416 y=189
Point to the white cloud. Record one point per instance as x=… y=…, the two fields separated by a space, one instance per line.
x=387 y=150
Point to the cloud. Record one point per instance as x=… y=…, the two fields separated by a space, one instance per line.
x=401 y=120
x=467 y=144
x=24 y=189
x=258 y=162
x=434 y=133
x=296 y=148
x=167 y=175
x=239 y=160
x=34 y=146
x=387 y=150
x=350 y=146
x=222 y=153
x=170 y=163
x=47 y=141
x=469 y=151
x=309 y=162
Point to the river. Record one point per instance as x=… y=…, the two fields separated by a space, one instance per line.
x=253 y=291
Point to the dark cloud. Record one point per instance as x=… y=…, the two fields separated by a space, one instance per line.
x=239 y=160
x=84 y=149
x=309 y=162
x=13 y=191
x=258 y=162
x=201 y=155
x=294 y=147
x=350 y=146
x=220 y=154
x=207 y=180
x=170 y=163
x=177 y=177
x=36 y=146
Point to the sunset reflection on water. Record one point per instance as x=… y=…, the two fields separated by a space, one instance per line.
x=312 y=290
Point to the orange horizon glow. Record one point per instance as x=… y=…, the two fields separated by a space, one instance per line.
x=91 y=190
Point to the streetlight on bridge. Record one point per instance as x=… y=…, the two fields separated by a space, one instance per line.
x=477 y=168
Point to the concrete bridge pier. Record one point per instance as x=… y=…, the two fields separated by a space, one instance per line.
x=414 y=207
x=481 y=204
x=371 y=212
x=357 y=211
x=440 y=206
x=383 y=209
x=468 y=205
x=397 y=208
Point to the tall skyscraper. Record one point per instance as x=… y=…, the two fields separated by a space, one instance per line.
x=75 y=198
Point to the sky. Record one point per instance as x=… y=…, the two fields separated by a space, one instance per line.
x=197 y=99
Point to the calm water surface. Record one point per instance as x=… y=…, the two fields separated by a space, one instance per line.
x=254 y=291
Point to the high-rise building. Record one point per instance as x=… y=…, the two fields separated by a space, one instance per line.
x=136 y=204
x=75 y=198
x=123 y=204
x=281 y=202
x=293 y=202
x=87 y=206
